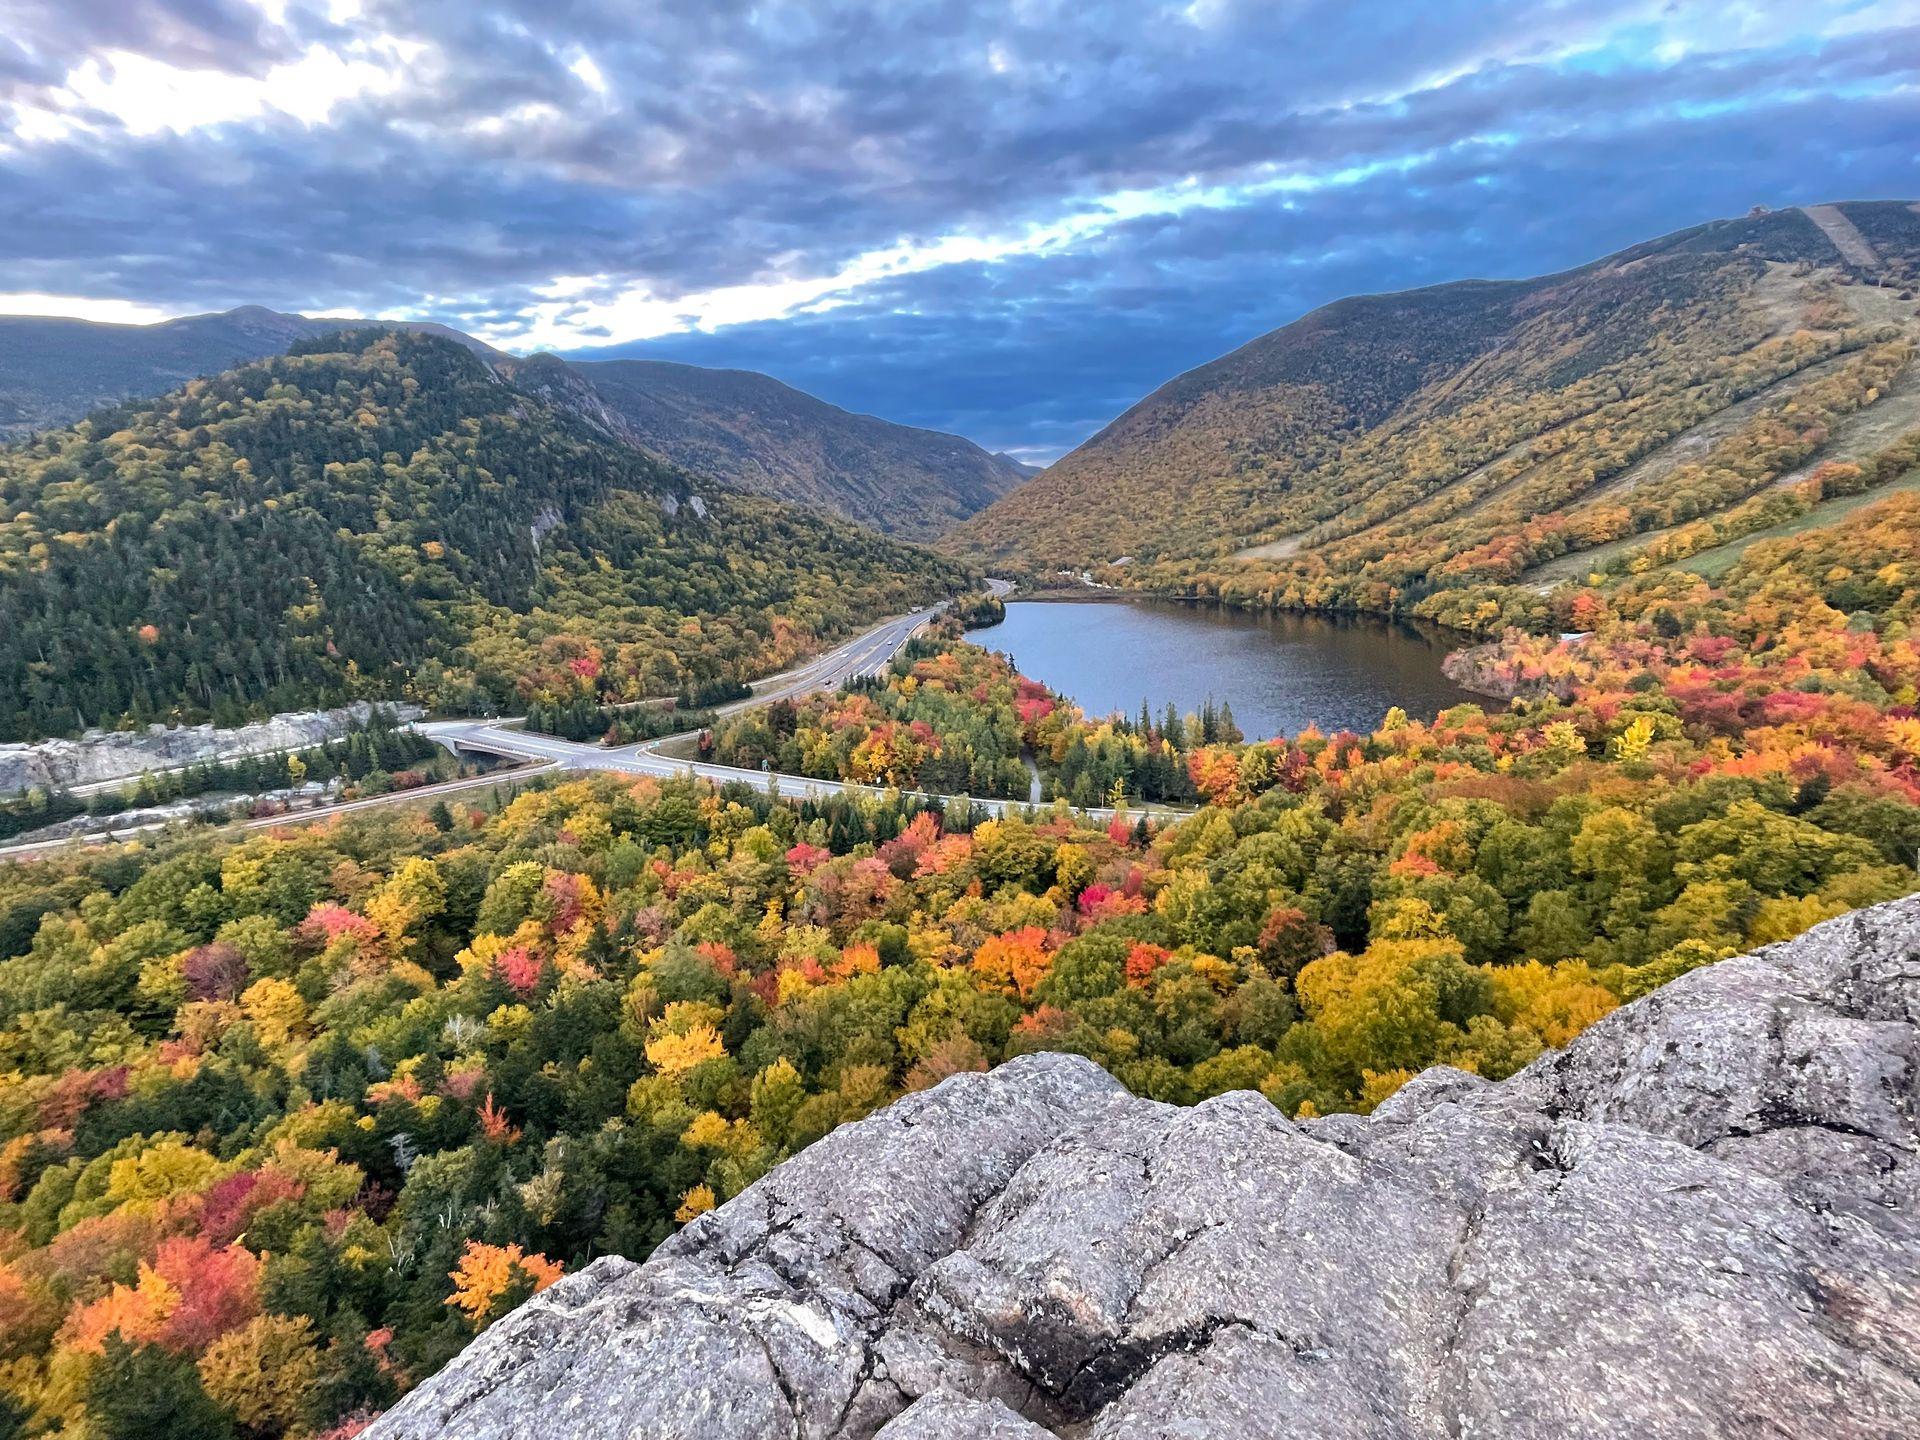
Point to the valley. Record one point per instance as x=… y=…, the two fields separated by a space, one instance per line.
x=926 y=721
x=1489 y=667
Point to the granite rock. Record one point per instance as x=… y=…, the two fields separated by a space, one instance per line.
x=101 y=757
x=1697 y=1220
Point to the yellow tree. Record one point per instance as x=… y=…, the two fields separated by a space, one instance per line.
x=491 y=1279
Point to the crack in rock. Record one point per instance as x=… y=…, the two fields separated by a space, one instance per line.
x=1701 y=1219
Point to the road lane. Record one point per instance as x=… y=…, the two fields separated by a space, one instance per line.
x=867 y=654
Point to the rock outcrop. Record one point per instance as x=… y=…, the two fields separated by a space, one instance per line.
x=102 y=756
x=1697 y=1220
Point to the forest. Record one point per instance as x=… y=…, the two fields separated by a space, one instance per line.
x=378 y=515
x=287 y=1117
x=954 y=718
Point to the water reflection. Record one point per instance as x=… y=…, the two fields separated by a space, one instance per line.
x=1278 y=672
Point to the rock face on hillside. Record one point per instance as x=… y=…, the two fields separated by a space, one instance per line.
x=767 y=438
x=101 y=756
x=1698 y=1220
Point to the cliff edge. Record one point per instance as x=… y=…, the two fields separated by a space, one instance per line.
x=1697 y=1220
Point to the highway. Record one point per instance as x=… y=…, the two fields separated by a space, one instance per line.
x=552 y=753
x=866 y=654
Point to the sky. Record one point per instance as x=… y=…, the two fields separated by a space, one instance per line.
x=1009 y=219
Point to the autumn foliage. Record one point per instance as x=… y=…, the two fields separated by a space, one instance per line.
x=288 y=1116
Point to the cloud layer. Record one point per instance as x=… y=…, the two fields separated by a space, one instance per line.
x=1008 y=218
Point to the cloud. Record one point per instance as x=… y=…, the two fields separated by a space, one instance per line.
x=1007 y=219
x=80 y=307
x=47 y=39
x=1043 y=351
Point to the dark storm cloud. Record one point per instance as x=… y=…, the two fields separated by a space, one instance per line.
x=687 y=146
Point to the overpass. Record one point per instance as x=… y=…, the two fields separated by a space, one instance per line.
x=868 y=654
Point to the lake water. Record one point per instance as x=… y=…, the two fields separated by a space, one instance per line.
x=1278 y=672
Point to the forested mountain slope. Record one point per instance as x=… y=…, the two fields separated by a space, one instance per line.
x=1448 y=438
x=53 y=370
x=381 y=513
x=768 y=438
x=745 y=429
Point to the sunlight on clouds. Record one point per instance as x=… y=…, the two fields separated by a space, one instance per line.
x=589 y=74
x=82 y=307
x=143 y=96
x=587 y=310
x=534 y=112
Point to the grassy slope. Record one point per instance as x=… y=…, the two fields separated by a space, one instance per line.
x=1718 y=561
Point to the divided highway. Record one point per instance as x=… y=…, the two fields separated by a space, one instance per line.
x=866 y=654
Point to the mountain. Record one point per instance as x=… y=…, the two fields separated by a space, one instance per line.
x=1388 y=446
x=379 y=513
x=1695 y=1221
x=769 y=439
x=744 y=429
x=54 y=370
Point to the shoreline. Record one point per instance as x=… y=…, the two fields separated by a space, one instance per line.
x=1280 y=670
x=1454 y=641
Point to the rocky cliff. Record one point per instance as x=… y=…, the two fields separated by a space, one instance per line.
x=1698 y=1220
x=102 y=756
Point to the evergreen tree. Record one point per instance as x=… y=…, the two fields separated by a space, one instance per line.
x=142 y=1392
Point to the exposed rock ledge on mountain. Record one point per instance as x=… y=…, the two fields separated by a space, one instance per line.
x=102 y=756
x=1698 y=1220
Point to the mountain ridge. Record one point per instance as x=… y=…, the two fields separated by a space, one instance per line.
x=740 y=427
x=55 y=369
x=764 y=436
x=1293 y=428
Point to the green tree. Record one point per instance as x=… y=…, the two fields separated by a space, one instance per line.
x=142 y=1392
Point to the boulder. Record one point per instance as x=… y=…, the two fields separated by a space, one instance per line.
x=1697 y=1220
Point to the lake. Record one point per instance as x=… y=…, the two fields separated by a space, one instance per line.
x=1278 y=672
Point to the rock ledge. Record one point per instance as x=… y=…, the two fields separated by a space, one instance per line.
x=1697 y=1220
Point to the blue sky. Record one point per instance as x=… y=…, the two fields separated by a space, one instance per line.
x=1008 y=220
